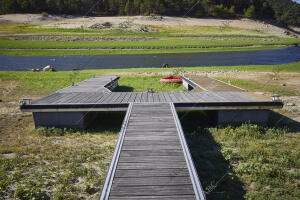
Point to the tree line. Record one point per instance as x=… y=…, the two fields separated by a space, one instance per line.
x=283 y=11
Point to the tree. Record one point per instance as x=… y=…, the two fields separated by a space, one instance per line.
x=250 y=12
x=129 y=7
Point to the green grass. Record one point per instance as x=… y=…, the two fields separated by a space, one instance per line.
x=160 y=31
x=175 y=40
x=246 y=162
x=45 y=52
x=53 y=81
x=255 y=86
x=49 y=82
x=56 y=168
x=23 y=44
x=141 y=83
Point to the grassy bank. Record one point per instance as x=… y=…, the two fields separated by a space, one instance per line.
x=152 y=44
x=169 y=40
x=52 y=81
x=155 y=31
x=244 y=162
x=57 y=52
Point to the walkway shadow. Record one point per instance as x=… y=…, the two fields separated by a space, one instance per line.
x=214 y=171
x=123 y=89
x=278 y=120
x=107 y=122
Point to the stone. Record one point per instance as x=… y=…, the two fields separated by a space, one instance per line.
x=291 y=104
x=49 y=69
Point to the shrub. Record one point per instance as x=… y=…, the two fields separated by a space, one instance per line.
x=44 y=14
x=250 y=12
x=221 y=11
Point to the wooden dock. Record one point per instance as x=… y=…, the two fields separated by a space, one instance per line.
x=119 y=101
x=152 y=160
x=205 y=83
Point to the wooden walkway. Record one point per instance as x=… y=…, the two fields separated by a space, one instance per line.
x=96 y=84
x=152 y=160
x=204 y=83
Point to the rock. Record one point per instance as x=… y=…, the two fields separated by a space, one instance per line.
x=144 y=29
x=104 y=25
x=155 y=18
x=283 y=84
x=287 y=32
x=291 y=104
x=0 y=100
x=165 y=66
x=49 y=69
x=35 y=70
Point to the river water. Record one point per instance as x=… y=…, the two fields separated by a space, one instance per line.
x=66 y=63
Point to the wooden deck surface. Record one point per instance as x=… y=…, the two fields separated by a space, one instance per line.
x=152 y=163
x=209 y=84
x=141 y=97
x=96 y=84
x=96 y=94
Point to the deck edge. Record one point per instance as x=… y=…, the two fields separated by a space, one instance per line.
x=113 y=165
x=200 y=194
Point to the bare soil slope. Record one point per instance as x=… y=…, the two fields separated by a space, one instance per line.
x=138 y=21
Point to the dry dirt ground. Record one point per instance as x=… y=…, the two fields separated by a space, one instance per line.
x=138 y=21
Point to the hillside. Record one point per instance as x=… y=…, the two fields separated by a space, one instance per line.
x=285 y=12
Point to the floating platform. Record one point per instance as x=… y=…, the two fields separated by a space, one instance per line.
x=151 y=159
x=76 y=105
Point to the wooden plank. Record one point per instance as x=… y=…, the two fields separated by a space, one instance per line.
x=156 y=97
x=182 y=96
x=161 y=97
x=121 y=97
x=137 y=138
x=116 y=97
x=152 y=165
x=138 y=98
x=150 y=147
x=151 y=173
x=167 y=96
x=177 y=197
x=142 y=159
x=147 y=181
x=150 y=97
x=127 y=97
x=144 y=97
x=152 y=190
x=132 y=97
x=150 y=142
x=152 y=153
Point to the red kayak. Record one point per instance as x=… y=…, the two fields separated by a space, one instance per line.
x=171 y=79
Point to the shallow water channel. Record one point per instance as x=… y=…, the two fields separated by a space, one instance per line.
x=66 y=63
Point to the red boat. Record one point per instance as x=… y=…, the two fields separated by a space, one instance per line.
x=171 y=79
